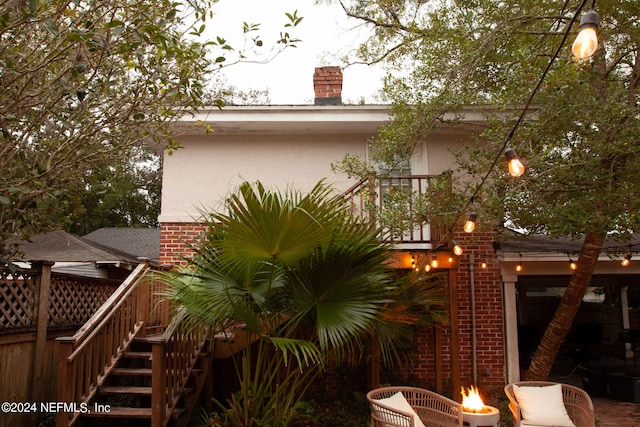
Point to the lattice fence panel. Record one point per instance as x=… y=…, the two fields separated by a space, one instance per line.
x=73 y=301
x=17 y=297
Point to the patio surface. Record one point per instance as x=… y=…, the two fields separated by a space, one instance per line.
x=611 y=413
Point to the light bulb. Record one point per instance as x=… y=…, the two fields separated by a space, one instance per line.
x=470 y=225
x=573 y=265
x=457 y=249
x=586 y=43
x=483 y=265
x=626 y=261
x=516 y=168
x=434 y=261
x=519 y=267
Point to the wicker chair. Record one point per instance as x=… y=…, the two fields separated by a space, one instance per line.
x=433 y=409
x=577 y=401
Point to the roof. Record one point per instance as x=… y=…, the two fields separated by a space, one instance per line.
x=59 y=246
x=132 y=242
x=318 y=119
x=542 y=243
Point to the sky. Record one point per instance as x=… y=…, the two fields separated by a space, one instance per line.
x=327 y=34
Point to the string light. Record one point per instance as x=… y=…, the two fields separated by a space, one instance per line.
x=626 y=260
x=586 y=43
x=483 y=265
x=434 y=260
x=457 y=249
x=470 y=225
x=519 y=266
x=516 y=168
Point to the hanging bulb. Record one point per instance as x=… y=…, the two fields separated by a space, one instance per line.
x=516 y=168
x=626 y=260
x=457 y=249
x=572 y=265
x=519 y=266
x=470 y=225
x=586 y=43
x=427 y=268
x=434 y=261
x=483 y=265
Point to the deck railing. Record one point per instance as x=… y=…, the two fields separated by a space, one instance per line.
x=399 y=205
x=174 y=356
x=87 y=358
x=133 y=310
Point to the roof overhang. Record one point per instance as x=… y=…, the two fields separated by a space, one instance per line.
x=317 y=119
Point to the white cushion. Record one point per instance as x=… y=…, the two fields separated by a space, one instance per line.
x=542 y=406
x=399 y=402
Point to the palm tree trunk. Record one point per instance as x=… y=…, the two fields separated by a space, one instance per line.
x=569 y=304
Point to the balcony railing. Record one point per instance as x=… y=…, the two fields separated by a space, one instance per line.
x=400 y=205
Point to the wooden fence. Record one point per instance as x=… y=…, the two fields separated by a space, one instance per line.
x=36 y=307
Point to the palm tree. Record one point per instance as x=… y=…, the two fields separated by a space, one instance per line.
x=305 y=279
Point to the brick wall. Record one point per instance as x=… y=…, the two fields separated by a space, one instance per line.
x=175 y=239
x=490 y=350
x=491 y=371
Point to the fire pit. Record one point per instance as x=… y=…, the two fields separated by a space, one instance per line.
x=475 y=413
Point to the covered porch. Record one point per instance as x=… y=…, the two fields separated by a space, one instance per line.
x=603 y=345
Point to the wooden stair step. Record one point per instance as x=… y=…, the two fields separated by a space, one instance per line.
x=122 y=412
x=137 y=354
x=132 y=371
x=147 y=338
x=140 y=391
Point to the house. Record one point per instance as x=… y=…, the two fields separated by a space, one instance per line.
x=294 y=146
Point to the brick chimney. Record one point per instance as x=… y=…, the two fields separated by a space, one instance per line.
x=327 y=84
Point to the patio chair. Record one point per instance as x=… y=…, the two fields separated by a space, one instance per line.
x=412 y=407
x=576 y=403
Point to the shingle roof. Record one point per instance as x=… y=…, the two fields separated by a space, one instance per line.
x=541 y=243
x=61 y=246
x=133 y=242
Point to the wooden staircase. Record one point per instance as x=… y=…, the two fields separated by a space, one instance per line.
x=130 y=366
x=126 y=396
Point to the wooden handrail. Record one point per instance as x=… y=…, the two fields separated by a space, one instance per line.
x=174 y=355
x=87 y=358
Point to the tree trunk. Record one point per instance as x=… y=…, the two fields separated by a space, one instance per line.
x=569 y=304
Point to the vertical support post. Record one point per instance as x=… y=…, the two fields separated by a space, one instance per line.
x=374 y=374
x=158 y=384
x=511 y=326
x=455 y=341
x=438 y=361
x=142 y=304
x=626 y=324
x=66 y=380
x=42 y=284
x=371 y=200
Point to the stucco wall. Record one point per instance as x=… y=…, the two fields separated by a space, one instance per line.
x=207 y=169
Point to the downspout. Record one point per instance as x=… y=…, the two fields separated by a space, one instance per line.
x=474 y=343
